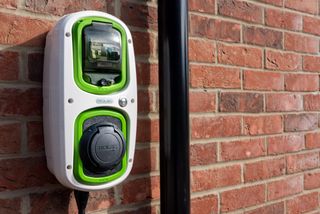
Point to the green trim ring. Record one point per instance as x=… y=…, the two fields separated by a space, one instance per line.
x=77 y=51
x=78 y=166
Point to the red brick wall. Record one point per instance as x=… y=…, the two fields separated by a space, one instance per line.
x=254 y=103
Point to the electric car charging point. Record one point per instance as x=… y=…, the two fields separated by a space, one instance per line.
x=89 y=77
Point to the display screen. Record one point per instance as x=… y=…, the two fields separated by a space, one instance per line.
x=102 y=54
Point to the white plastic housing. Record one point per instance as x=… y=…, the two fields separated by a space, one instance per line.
x=59 y=115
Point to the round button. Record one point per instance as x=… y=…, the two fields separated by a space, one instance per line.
x=123 y=102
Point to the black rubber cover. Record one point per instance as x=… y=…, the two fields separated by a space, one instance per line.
x=102 y=147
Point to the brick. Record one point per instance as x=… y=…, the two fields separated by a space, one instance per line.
x=300 y=122
x=301 y=82
x=242 y=149
x=141 y=189
x=308 y=6
x=240 y=10
x=64 y=7
x=204 y=205
x=241 y=198
x=311 y=180
x=312 y=140
x=311 y=102
x=240 y=55
x=157 y=102
x=50 y=202
x=24 y=173
x=301 y=162
x=202 y=101
x=144 y=43
x=147 y=74
x=10 y=206
x=35 y=67
x=305 y=44
x=283 y=61
x=100 y=200
x=146 y=101
x=284 y=102
x=225 y=31
x=10 y=135
x=267 y=81
x=145 y=160
x=209 y=127
x=241 y=102
x=35 y=136
x=24 y=102
x=213 y=178
x=202 y=6
x=202 y=50
x=258 y=125
x=203 y=154
x=311 y=63
x=214 y=77
x=10 y=4
x=262 y=37
x=303 y=203
x=264 y=169
x=285 y=144
x=276 y=208
x=202 y=26
x=23 y=31
x=139 y=15
x=148 y=130
x=309 y=24
x=282 y=19
x=285 y=187
x=9 y=63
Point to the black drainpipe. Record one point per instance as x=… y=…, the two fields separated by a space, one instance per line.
x=174 y=110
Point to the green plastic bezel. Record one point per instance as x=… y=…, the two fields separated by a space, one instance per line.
x=78 y=166
x=77 y=61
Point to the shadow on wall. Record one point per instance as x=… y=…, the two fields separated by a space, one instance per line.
x=25 y=182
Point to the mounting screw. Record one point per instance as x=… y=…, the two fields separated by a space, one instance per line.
x=68 y=34
x=123 y=102
x=69 y=167
x=70 y=100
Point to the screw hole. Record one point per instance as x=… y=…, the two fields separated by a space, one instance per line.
x=70 y=100
x=69 y=167
x=67 y=34
x=132 y=100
